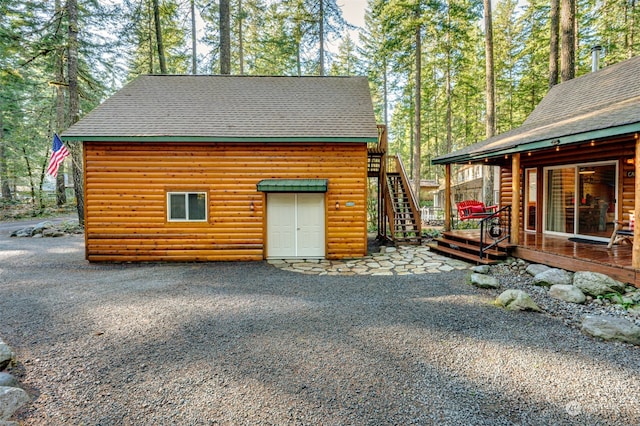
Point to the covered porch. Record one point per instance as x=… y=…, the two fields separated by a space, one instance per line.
x=570 y=173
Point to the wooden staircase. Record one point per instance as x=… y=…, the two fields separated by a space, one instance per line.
x=404 y=224
x=465 y=245
x=398 y=212
x=402 y=220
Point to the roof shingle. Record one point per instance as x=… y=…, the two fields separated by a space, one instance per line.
x=235 y=107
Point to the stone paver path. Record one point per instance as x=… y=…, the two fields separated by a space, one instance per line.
x=402 y=260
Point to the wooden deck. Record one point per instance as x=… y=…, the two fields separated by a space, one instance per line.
x=559 y=252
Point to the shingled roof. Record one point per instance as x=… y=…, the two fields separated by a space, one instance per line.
x=184 y=108
x=604 y=103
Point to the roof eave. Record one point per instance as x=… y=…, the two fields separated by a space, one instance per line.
x=541 y=144
x=184 y=139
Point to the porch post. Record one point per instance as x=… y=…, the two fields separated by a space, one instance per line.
x=635 y=254
x=515 y=198
x=447 y=197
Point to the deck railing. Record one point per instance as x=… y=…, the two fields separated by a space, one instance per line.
x=493 y=227
x=431 y=214
x=413 y=203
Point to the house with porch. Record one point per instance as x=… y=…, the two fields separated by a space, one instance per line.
x=217 y=168
x=567 y=175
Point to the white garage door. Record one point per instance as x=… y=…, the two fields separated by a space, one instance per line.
x=295 y=225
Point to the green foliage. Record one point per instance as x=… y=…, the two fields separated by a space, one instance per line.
x=283 y=38
x=35 y=35
x=431 y=233
x=346 y=61
x=138 y=37
x=618 y=299
x=466 y=224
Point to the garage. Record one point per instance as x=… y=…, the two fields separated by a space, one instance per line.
x=295 y=225
x=295 y=218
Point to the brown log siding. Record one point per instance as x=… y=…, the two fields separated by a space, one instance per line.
x=618 y=150
x=126 y=186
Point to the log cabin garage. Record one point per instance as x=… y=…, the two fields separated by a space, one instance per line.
x=217 y=168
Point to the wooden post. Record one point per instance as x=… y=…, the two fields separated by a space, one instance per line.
x=447 y=197
x=635 y=254
x=383 y=145
x=515 y=198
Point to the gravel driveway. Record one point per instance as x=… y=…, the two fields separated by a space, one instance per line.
x=250 y=344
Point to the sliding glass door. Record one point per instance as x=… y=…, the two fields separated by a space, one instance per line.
x=561 y=186
x=580 y=199
x=531 y=199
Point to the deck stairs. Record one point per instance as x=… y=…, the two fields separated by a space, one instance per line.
x=376 y=157
x=398 y=214
x=466 y=246
x=404 y=224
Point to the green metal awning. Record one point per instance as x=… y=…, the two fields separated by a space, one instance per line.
x=293 y=185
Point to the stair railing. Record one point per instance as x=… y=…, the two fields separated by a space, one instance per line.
x=390 y=209
x=493 y=227
x=415 y=209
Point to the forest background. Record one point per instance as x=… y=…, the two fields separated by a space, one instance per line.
x=427 y=62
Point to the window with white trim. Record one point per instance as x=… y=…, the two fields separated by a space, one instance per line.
x=187 y=206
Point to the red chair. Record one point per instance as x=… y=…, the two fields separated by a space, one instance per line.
x=474 y=209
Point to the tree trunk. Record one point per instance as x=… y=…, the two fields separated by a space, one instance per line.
x=567 y=40
x=240 y=41
x=61 y=194
x=151 y=45
x=631 y=25
x=160 y=44
x=417 y=124
x=321 y=37
x=32 y=184
x=449 y=112
x=554 y=20
x=4 y=175
x=225 y=38
x=489 y=68
x=298 y=60
x=385 y=89
x=487 y=175
x=74 y=105
x=194 y=40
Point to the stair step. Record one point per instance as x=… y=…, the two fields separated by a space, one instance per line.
x=473 y=258
x=470 y=248
x=474 y=240
x=412 y=239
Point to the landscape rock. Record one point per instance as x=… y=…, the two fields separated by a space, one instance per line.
x=52 y=233
x=48 y=229
x=568 y=293
x=23 y=232
x=517 y=300
x=611 y=328
x=634 y=295
x=484 y=281
x=596 y=284
x=481 y=269
x=8 y=380
x=551 y=277
x=40 y=227
x=11 y=399
x=6 y=355
x=536 y=268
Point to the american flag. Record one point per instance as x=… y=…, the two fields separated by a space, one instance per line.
x=59 y=153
